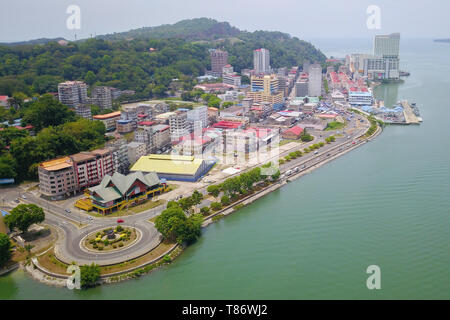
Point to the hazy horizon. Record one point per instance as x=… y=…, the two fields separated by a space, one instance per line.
x=321 y=19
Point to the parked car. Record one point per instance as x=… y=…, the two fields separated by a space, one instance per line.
x=288 y=173
x=120 y=221
x=16 y=200
x=24 y=196
x=67 y=210
x=90 y=218
x=316 y=152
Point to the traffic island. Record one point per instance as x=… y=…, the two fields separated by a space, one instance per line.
x=110 y=239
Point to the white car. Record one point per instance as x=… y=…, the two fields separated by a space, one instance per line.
x=24 y=196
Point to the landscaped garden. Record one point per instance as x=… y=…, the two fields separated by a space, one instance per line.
x=110 y=239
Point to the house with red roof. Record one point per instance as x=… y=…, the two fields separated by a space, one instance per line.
x=293 y=133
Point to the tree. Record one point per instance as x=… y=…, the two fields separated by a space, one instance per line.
x=90 y=78
x=197 y=197
x=7 y=167
x=204 y=211
x=89 y=275
x=5 y=249
x=167 y=223
x=47 y=111
x=23 y=216
x=186 y=203
x=174 y=226
x=225 y=200
x=213 y=190
x=216 y=206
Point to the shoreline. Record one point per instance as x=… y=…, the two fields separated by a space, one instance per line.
x=44 y=276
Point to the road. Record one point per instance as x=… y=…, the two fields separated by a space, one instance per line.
x=74 y=226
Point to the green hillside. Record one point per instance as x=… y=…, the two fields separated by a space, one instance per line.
x=123 y=60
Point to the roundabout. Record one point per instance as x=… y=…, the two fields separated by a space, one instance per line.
x=111 y=239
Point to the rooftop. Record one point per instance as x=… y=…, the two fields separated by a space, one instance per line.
x=170 y=164
x=107 y=116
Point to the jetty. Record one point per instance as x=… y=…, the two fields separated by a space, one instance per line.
x=410 y=116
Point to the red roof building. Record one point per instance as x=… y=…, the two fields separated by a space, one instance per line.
x=292 y=133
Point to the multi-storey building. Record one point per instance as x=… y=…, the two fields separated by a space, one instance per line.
x=198 y=117
x=144 y=134
x=91 y=167
x=178 y=125
x=135 y=151
x=57 y=178
x=362 y=98
x=219 y=59
x=109 y=120
x=74 y=94
x=265 y=89
x=301 y=88
x=261 y=61
x=233 y=79
x=161 y=136
x=387 y=46
x=227 y=69
x=315 y=80
x=119 y=152
x=101 y=96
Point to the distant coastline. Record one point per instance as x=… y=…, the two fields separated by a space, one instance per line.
x=441 y=40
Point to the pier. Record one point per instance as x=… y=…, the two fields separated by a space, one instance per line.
x=410 y=117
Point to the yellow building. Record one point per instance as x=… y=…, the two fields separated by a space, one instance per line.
x=265 y=89
x=174 y=167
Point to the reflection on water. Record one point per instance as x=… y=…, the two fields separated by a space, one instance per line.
x=388 y=93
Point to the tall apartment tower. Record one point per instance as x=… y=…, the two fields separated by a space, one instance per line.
x=74 y=94
x=179 y=125
x=315 y=80
x=219 y=59
x=387 y=46
x=261 y=61
x=101 y=96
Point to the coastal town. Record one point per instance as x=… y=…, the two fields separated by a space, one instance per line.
x=205 y=152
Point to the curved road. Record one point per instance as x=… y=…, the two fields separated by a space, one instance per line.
x=68 y=244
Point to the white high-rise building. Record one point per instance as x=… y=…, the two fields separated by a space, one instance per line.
x=198 y=117
x=74 y=94
x=261 y=60
x=101 y=96
x=387 y=46
x=179 y=125
x=315 y=80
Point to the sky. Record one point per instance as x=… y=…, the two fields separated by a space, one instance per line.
x=312 y=19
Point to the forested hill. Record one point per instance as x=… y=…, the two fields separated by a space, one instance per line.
x=191 y=29
x=181 y=51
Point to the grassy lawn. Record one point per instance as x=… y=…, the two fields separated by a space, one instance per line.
x=334 y=125
x=153 y=219
x=117 y=245
x=173 y=187
x=156 y=252
x=49 y=262
x=126 y=212
x=286 y=141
